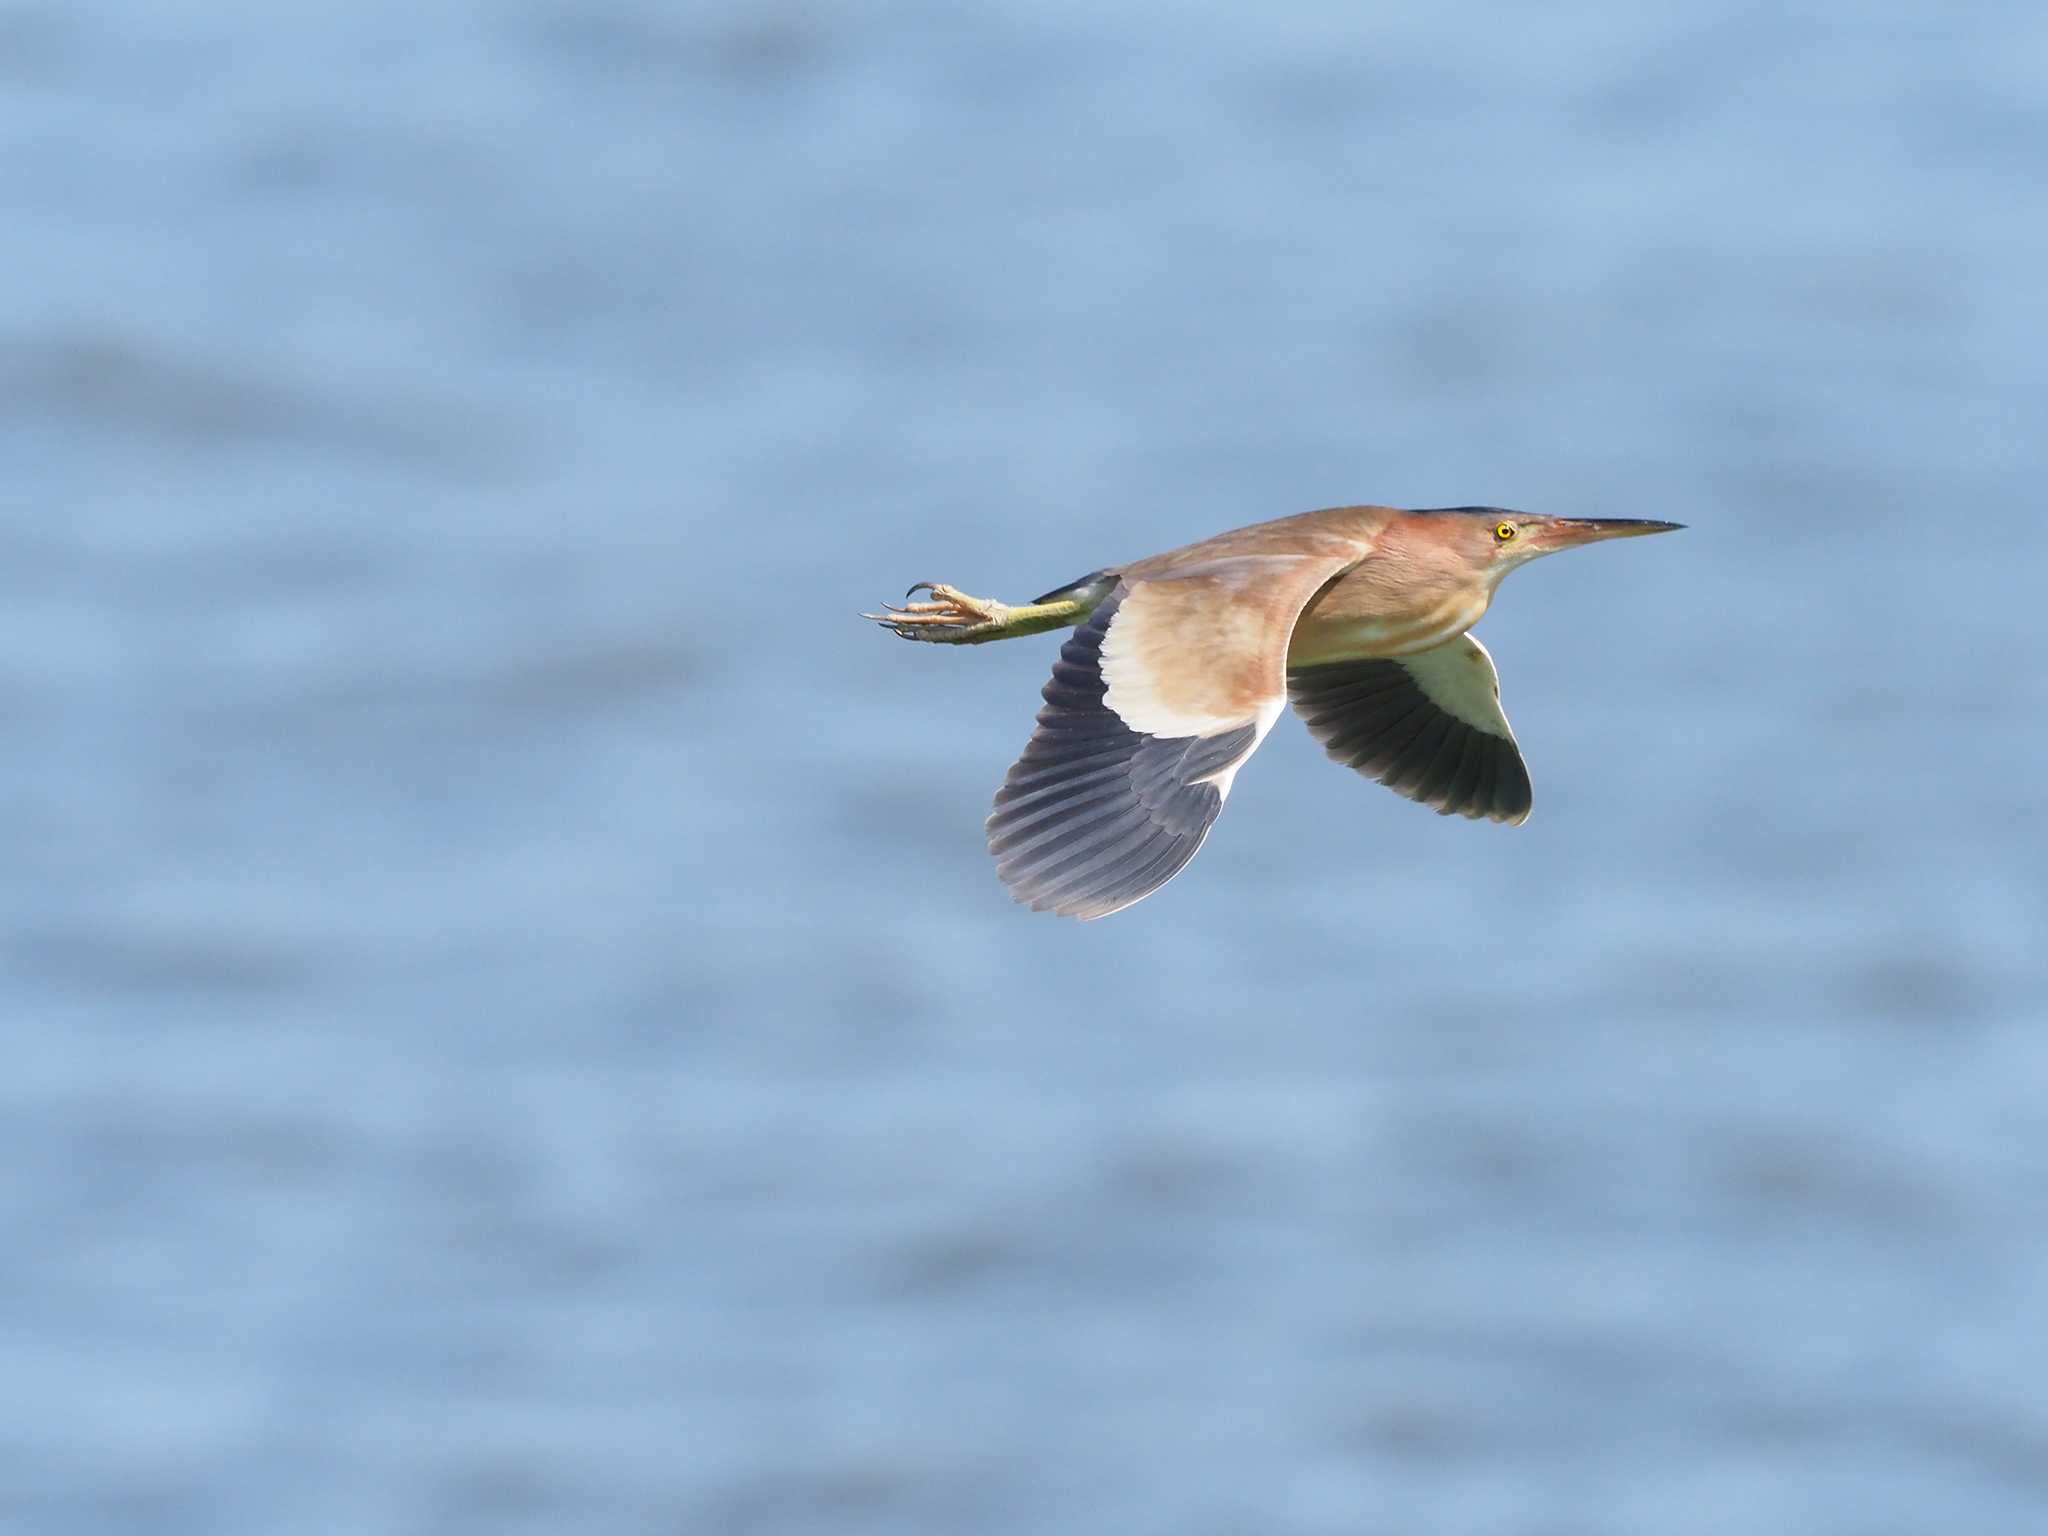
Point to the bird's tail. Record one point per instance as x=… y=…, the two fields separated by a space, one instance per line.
x=1088 y=591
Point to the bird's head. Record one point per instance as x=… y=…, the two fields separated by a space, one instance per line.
x=1491 y=541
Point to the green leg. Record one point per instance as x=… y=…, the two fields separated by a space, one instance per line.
x=954 y=618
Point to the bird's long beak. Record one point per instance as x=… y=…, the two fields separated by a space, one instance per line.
x=1570 y=532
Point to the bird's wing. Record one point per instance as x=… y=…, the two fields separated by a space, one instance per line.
x=1428 y=726
x=1154 y=705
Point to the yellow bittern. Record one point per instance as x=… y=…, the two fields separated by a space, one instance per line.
x=1181 y=662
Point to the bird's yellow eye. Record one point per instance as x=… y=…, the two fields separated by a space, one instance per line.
x=1505 y=531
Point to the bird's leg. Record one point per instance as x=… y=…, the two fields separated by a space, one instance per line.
x=954 y=618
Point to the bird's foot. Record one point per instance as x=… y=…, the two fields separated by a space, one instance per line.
x=950 y=618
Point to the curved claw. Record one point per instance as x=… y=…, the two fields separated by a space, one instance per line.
x=900 y=631
x=921 y=586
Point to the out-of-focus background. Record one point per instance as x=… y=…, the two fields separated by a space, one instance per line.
x=508 y=1021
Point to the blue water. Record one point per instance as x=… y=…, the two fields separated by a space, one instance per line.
x=509 y=1023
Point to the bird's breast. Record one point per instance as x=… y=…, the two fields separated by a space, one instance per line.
x=1351 y=620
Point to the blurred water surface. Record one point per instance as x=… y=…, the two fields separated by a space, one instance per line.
x=509 y=1022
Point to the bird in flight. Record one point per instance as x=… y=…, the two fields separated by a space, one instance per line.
x=1179 y=665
